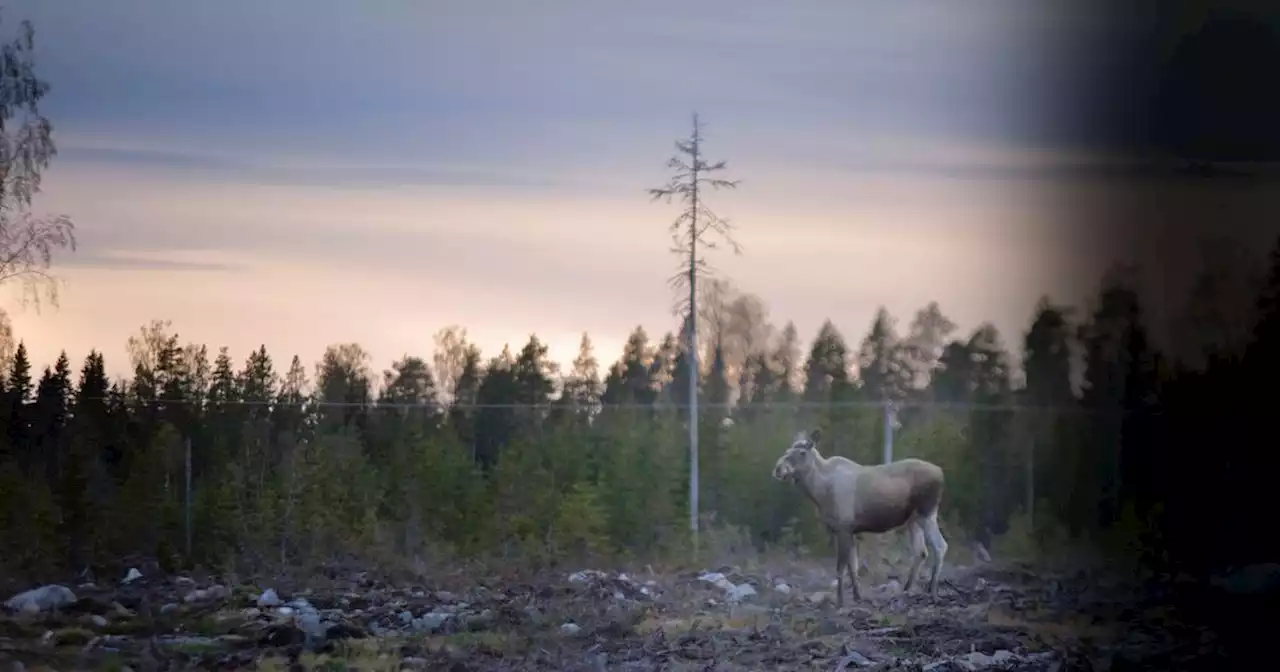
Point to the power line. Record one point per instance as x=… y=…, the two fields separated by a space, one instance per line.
x=656 y=406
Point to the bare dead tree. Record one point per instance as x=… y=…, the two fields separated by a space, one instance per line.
x=27 y=242
x=7 y=342
x=695 y=229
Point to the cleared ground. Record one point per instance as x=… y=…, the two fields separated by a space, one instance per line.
x=984 y=617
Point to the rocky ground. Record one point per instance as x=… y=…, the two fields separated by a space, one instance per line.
x=779 y=617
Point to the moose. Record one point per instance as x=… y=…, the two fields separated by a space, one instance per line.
x=852 y=498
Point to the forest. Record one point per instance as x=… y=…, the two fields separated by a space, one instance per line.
x=202 y=458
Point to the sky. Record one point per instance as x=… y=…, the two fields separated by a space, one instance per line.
x=300 y=173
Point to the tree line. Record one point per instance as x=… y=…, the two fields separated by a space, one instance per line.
x=462 y=454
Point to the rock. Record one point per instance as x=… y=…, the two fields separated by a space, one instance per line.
x=44 y=598
x=431 y=621
x=310 y=623
x=132 y=575
x=733 y=592
x=782 y=587
x=413 y=663
x=98 y=621
x=168 y=608
x=269 y=598
x=740 y=592
x=891 y=587
x=717 y=579
x=570 y=628
x=620 y=587
x=446 y=596
x=212 y=593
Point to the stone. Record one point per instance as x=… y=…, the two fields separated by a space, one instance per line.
x=269 y=598
x=44 y=598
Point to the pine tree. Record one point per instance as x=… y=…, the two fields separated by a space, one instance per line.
x=882 y=367
x=18 y=391
x=583 y=387
x=495 y=424
x=49 y=414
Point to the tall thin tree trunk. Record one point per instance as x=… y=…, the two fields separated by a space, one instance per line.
x=693 y=346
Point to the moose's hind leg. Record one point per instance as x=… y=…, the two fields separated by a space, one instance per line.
x=851 y=549
x=937 y=549
x=916 y=537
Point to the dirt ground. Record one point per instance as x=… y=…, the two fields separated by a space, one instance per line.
x=775 y=617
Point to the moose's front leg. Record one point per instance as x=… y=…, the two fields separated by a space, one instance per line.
x=842 y=557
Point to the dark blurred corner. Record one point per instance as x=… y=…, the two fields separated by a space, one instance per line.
x=1181 y=98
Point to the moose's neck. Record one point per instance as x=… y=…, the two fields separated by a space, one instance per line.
x=812 y=479
x=815 y=480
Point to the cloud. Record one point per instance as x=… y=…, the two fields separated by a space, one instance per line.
x=553 y=86
x=225 y=167
x=126 y=261
x=894 y=156
x=150 y=158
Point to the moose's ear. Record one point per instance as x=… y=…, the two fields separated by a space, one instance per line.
x=815 y=435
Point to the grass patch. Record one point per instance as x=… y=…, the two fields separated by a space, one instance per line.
x=887 y=620
x=1053 y=628
x=22 y=628
x=680 y=626
x=195 y=648
x=383 y=656
x=111 y=662
x=214 y=625
x=127 y=627
x=73 y=636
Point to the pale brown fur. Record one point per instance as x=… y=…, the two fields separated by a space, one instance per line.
x=852 y=499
